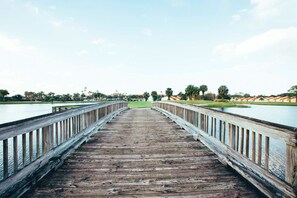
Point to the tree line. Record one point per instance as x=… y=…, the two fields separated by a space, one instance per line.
x=192 y=92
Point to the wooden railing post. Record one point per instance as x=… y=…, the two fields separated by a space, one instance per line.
x=5 y=158
x=291 y=165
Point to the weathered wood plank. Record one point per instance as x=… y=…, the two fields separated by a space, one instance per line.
x=148 y=159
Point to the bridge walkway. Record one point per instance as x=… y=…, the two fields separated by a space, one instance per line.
x=142 y=153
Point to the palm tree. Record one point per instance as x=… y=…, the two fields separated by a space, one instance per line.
x=146 y=95
x=189 y=91
x=293 y=90
x=203 y=88
x=3 y=93
x=154 y=94
x=168 y=93
x=223 y=92
x=196 y=92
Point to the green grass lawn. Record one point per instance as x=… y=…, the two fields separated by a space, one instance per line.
x=139 y=104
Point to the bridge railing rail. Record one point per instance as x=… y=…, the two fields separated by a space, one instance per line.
x=243 y=143
x=29 y=144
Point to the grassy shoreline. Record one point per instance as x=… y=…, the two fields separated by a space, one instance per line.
x=213 y=104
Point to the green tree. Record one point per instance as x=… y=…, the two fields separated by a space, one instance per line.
x=293 y=90
x=169 y=93
x=30 y=95
x=223 y=92
x=17 y=97
x=182 y=96
x=154 y=94
x=196 y=92
x=146 y=95
x=40 y=95
x=189 y=91
x=76 y=97
x=3 y=93
x=203 y=89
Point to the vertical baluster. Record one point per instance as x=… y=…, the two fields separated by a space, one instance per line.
x=266 y=161
x=5 y=158
x=215 y=127
x=74 y=124
x=37 y=143
x=24 y=142
x=57 y=133
x=211 y=129
x=64 y=131
x=259 y=148
x=220 y=130
x=205 y=123
x=67 y=129
x=253 y=146
x=15 y=154
x=61 y=132
x=247 y=143
x=291 y=164
x=236 y=137
x=224 y=132
x=45 y=140
x=31 y=146
x=241 y=140
x=231 y=136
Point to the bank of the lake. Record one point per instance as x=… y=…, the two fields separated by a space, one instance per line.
x=212 y=104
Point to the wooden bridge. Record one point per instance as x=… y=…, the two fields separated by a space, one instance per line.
x=90 y=151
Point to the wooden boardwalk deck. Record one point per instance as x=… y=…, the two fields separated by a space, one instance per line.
x=142 y=153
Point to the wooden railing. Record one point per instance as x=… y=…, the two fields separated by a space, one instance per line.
x=67 y=107
x=243 y=143
x=34 y=146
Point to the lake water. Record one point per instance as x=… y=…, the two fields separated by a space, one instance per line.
x=286 y=115
x=13 y=112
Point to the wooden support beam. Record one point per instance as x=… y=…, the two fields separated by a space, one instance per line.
x=291 y=165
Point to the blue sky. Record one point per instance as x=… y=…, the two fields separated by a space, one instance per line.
x=135 y=46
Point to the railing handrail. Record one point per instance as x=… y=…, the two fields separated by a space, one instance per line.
x=11 y=129
x=285 y=133
x=243 y=143
x=37 y=145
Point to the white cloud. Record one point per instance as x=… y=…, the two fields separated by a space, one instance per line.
x=147 y=32
x=235 y=18
x=280 y=42
x=13 y=45
x=32 y=8
x=177 y=3
x=52 y=7
x=98 y=41
x=56 y=23
x=111 y=53
x=274 y=9
x=82 y=52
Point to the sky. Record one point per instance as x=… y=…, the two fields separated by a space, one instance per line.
x=134 y=46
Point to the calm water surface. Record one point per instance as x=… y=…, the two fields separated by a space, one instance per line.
x=13 y=112
x=286 y=115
